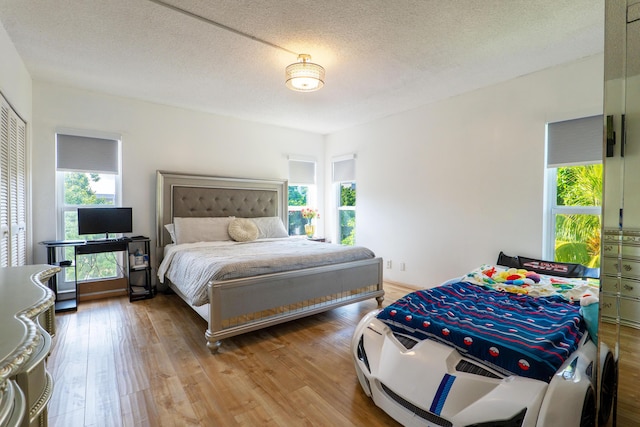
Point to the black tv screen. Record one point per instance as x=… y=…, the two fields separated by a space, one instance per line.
x=105 y=220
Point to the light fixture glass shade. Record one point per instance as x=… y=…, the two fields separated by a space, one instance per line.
x=304 y=76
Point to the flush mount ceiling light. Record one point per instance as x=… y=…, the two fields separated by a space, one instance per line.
x=304 y=76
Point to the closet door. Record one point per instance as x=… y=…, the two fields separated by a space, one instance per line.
x=17 y=190
x=13 y=187
x=4 y=183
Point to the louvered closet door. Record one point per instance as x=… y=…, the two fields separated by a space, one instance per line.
x=17 y=193
x=4 y=183
x=13 y=187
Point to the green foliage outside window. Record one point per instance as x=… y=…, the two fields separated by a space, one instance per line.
x=348 y=195
x=347 y=217
x=578 y=236
x=297 y=197
x=77 y=189
x=78 y=192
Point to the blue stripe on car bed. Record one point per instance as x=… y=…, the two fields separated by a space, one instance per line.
x=442 y=393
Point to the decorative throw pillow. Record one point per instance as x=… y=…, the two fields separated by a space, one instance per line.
x=243 y=230
x=270 y=226
x=172 y=232
x=207 y=229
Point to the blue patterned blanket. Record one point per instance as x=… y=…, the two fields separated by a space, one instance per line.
x=513 y=333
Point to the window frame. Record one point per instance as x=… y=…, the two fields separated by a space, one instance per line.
x=62 y=208
x=553 y=209
x=340 y=208
x=312 y=196
x=304 y=179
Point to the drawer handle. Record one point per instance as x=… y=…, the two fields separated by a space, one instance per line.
x=606 y=305
x=628 y=287
x=627 y=267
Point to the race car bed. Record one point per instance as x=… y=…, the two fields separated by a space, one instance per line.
x=498 y=347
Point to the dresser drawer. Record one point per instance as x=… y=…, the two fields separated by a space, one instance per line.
x=608 y=306
x=611 y=243
x=609 y=266
x=610 y=249
x=630 y=288
x=630 y=268
x=609 y=284
x=630 y=311
x=630 y=251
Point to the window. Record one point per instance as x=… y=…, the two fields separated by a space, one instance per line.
x=345 y=185
x=574 y=176
x=87 y=174
x=302 y=192
x=347 y=213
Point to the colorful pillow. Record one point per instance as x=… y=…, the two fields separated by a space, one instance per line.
x=243 y=230
x=270 y=227
x=554 y=268
x=208 y=229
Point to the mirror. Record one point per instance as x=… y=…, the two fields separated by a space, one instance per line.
x=619 y=329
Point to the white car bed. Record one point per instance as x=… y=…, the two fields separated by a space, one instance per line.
x=485 y=351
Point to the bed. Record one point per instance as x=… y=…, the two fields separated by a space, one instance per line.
x=233 y=303
x=497 y=346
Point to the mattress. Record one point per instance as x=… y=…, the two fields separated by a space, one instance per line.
x=192 y=266
x=503 y=325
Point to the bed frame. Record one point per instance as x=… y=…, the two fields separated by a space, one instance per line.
x=243 y=305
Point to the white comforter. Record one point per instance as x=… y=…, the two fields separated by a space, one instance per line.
x=192 y=266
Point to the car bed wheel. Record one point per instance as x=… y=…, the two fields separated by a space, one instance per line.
x=588 y=417
x=607 y=388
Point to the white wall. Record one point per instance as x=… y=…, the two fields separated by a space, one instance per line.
x=154 y=137
x=446 y=187
x=16 y=86
x=442 y=188
x=15 y=80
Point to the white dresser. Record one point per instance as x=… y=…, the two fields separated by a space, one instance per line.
x=27 y=326
x=620 y=279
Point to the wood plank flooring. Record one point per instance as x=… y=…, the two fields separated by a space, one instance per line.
x=628 y=413
x=116 y=363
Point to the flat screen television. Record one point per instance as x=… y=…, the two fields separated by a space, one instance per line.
x=105 y=220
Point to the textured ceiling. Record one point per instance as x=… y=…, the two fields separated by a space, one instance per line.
x=381 y=57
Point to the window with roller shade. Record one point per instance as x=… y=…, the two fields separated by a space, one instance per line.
x=344 y=182
x=574 y=179
x=87 y=174
x=302 y=192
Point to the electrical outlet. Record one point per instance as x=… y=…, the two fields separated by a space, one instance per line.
x=402 y=266
x=388 y=263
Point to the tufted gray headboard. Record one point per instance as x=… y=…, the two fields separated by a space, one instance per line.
x=187 y=195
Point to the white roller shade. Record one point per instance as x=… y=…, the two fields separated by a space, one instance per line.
x=81 y=153
x=302 y=172
x=575 y=141
x=344 y=169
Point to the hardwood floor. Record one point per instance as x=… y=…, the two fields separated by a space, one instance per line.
x=628 y=413
x=116 y=363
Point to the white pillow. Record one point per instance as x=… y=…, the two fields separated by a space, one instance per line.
x=243 y=230
x=209 y=229
x=270 y=226
x=172 y=231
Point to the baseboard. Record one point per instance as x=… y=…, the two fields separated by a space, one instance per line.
x=102 y=289
x=404 y=285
